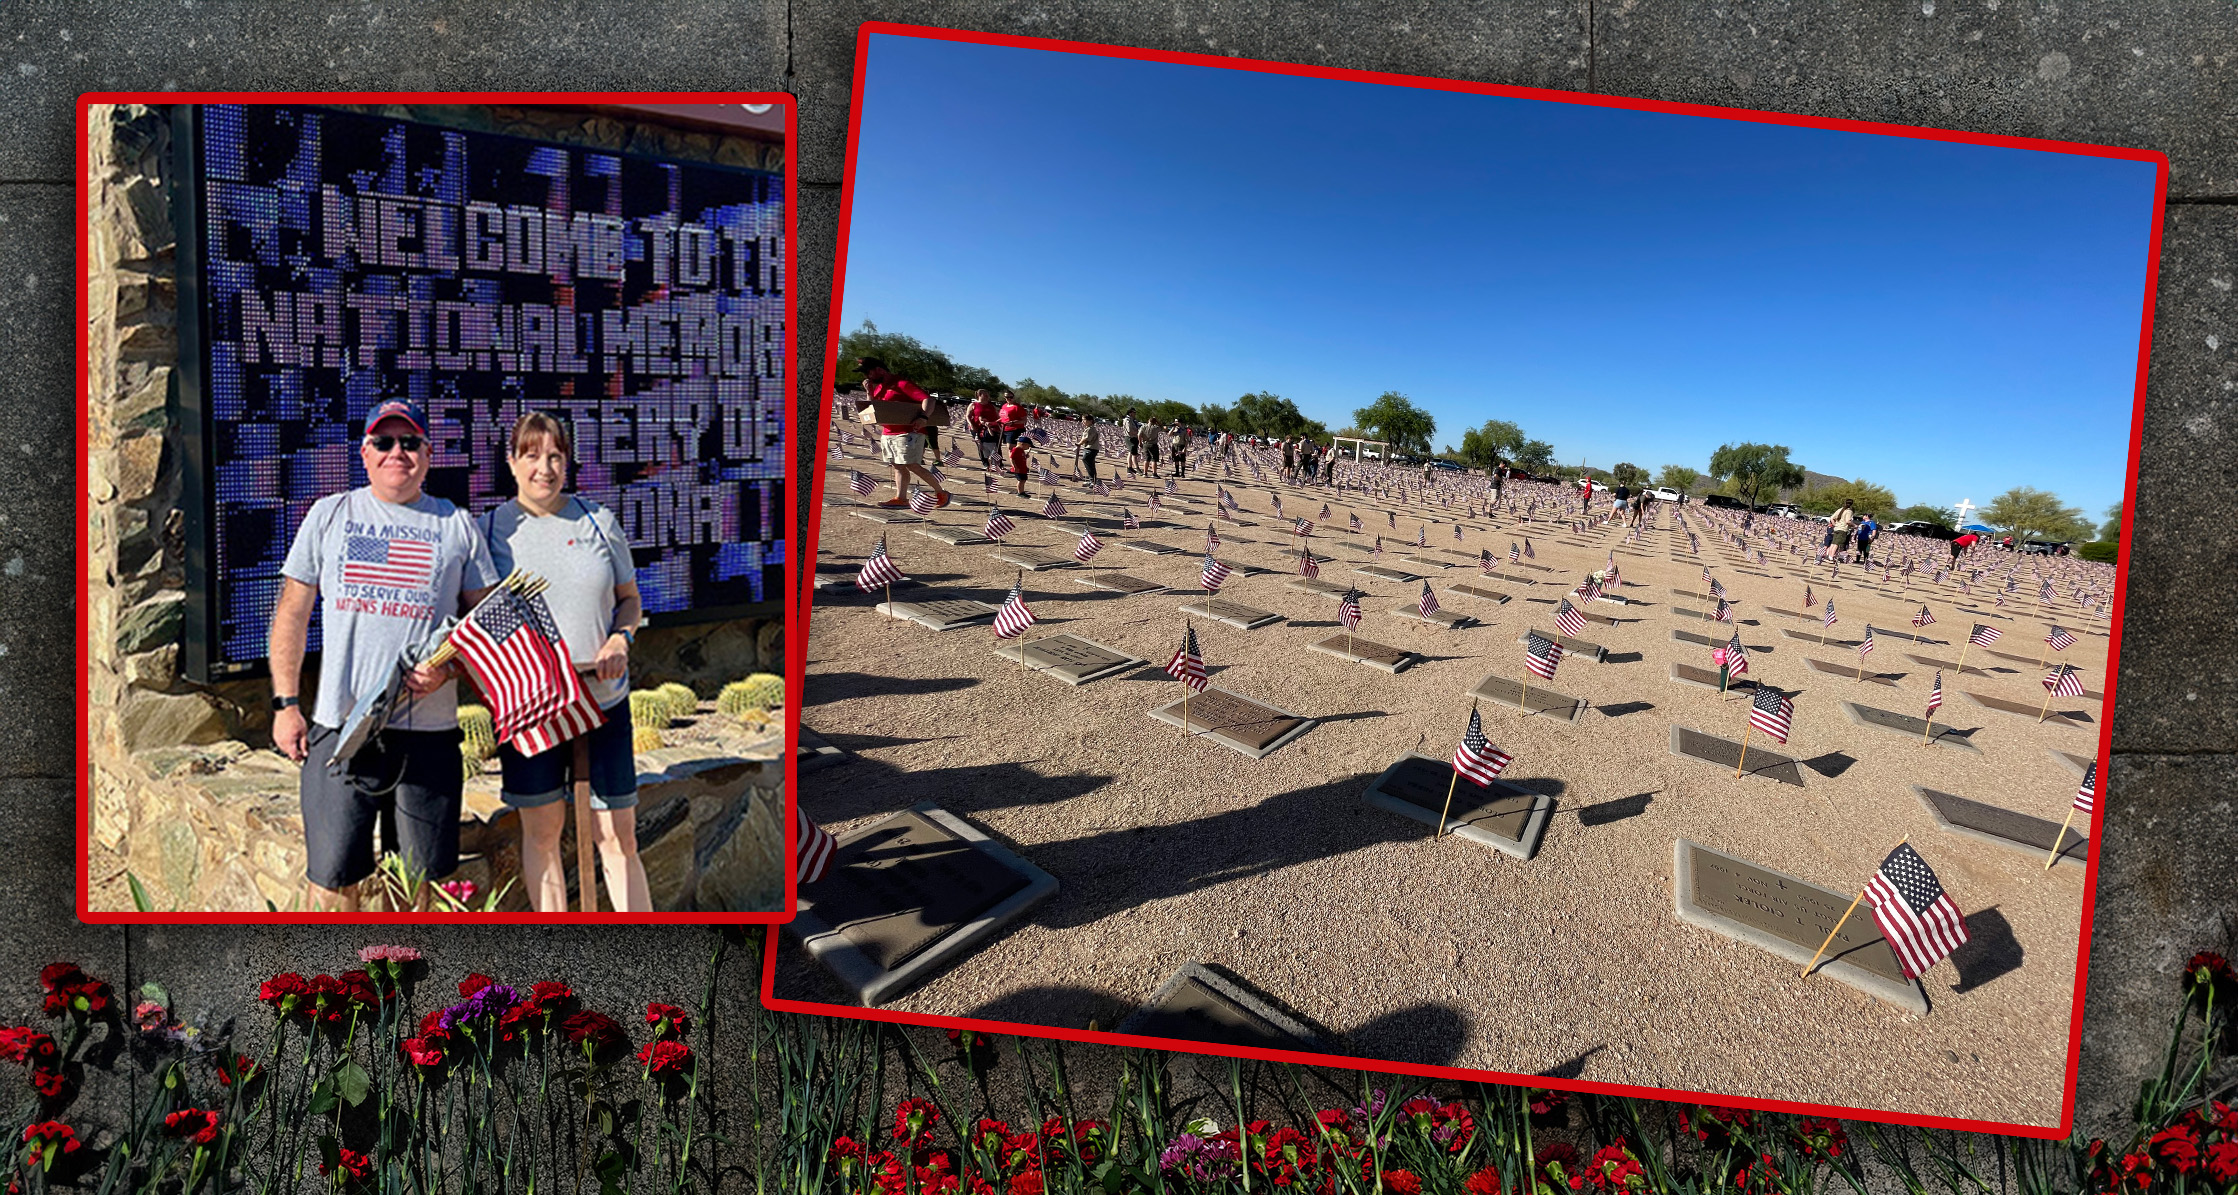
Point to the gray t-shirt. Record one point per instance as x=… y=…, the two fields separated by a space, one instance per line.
x=386 y=575
x=583 y=554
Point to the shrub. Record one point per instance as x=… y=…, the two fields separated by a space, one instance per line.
x=762 y=690
x=649 y=710
x=682 y=702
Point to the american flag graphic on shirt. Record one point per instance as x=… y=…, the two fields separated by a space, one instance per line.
x=371 y=560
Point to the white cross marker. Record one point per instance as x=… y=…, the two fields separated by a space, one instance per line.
x=1963 y=506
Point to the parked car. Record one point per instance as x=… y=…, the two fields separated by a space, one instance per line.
x=1724 y=502
x=1453 y=466
x=1784 y=510
x=2037 y=547
x=1663 y=493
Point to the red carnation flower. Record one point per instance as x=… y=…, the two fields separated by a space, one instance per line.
x=192 y=1125
x=427 y=1050
x=285 y=992
x=2178 y=1144
x=668 y=1020
x=2222 y=1161
x=550 y=995
x=914 y=1121
x=357 y=986
x=599 y=1036
x=1401 y=1182
x=472 y=984
x=243 y=1069
x=351 y=1169
x=56 y=976
x=51 y=1084
x=1028 y=1183
x=2210 y=974
x=25 y=1044
x=663 y=1059
x=48 y=1139
x=71 y=990
x=1483 y=1182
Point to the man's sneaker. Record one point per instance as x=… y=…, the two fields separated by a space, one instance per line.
x=940 y=498
x=894 y=502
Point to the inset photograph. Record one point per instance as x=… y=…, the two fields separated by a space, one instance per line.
x=1468 y=580
x=435 y=505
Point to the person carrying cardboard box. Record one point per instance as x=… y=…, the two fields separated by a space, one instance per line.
x=905 y=415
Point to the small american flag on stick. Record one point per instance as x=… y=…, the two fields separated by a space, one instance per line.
x=1427 y=604
x=998 y=525
x=2060 y=640
x=1187 y=664
x=860 y=482
x=1476 y=757
x=1772 y=712
x=2086 y=797
x=813 y=848
x=2064 y=681
x=1917 y=917
x=1012 y=620
x=1086 y=549
x=1541 y=655
x=1984 y=635
x=879 y=570
x=1214 y=575
x=1567 y=620
x=1924 y=618
x=1348 y=609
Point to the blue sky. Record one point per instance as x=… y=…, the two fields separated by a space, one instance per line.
x=1946 y=320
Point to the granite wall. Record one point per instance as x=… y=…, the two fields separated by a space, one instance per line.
x=2154 y=73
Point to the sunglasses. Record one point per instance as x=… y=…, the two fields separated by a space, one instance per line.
x=385 y=443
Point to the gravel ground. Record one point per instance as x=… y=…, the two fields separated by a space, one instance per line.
x=1407 y=948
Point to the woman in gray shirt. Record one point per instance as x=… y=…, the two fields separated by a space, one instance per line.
x=578 y=548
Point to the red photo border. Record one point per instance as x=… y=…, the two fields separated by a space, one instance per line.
x=797 y=643
x=790 y=599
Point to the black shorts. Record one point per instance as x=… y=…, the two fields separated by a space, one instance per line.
x=405 y=783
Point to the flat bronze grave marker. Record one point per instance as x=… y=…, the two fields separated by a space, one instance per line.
x=2028 y=660
x=1691 y=674
x=2079 y=764
x=1234 y=614
x=1242 y=725
x=2007 y=828
x=1317 y=585
x=1032 y=559
x=954 y=537
x=1788 y=917
x=1945 y=665
x=906 y=895
x=1688 y=593
x=1909 y=727
x=1069 y=658
x=1472 y=589
x=1366 y=651
x=1506 y=818
x=1126 y=583
x=844 y=578
x=1501 y=690
x=1821 y=640
x=1798 y=614
x=939 y=612
x=1424 y=562
x=1198 y=1004
x=1679 y=636
x=1534 y=567
x=2072 y=719
x=885 y=514
x=1683 y=612
x=1155 y=549
x=816 y=752
x=1850 y=672
x=1906 y=636
x=1576 y=647
x=1382 y=573
x=1726 y=753
x=1497 y=576
x=1448 y=619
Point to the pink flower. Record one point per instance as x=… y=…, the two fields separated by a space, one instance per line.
x=389 y=954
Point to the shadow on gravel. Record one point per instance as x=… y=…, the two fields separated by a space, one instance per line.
x=1991 y=951
x=825 y=687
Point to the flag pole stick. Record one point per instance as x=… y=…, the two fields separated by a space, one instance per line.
x=2059 y=838
x=1743 y=761
x=1450 y=785
x=2049 y=693
x=1185 y=689
x=1962 y=654
x=1830 y=934
x=1929 y=730
x=586 y=868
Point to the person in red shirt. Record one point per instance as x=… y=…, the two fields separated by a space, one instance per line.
x=985 y=418
x=1960 y=544
x=901 y=445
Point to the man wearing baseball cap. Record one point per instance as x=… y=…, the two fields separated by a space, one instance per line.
x=383 y=564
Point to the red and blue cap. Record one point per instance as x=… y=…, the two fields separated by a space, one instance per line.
x=398 y=408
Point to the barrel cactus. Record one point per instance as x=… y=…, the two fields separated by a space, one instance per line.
x=682 y=702
x=761 y=691
x=647 y=739
x=480 y=729
x=648 y=710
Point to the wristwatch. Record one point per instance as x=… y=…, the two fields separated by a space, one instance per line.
x=281 y=703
